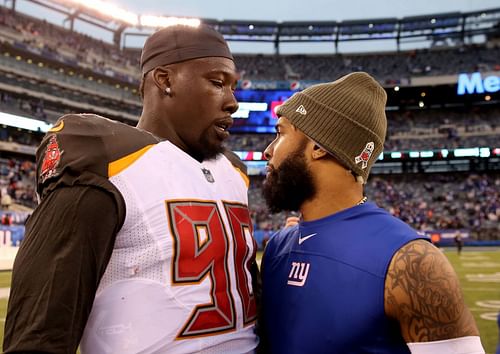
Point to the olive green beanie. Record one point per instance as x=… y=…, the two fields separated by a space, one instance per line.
x=345 y=117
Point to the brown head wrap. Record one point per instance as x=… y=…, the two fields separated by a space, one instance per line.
x=178 y=43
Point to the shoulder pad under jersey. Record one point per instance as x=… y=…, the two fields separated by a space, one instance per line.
x=80 y=148
x=236 y=161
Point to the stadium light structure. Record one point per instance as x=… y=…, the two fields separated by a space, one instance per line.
x=163 y=21
x=16 y=121
x=110 y=10
x=455 y=26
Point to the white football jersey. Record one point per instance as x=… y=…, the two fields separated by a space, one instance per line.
x=178 y=280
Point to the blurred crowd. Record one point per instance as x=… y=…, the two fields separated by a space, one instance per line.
x=385 y=67
x=92 y=76
x=80 y=50
x=424 y=129
x=425 y=201
x=59 y=43
x=442 y=201
x=17 y=183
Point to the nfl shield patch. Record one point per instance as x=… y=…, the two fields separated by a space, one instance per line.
x=208 y=175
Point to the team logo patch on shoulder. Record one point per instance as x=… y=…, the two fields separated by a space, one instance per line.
x=365 y=155
x=51 y=159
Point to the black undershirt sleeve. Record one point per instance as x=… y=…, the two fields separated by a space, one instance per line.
x=67 y=246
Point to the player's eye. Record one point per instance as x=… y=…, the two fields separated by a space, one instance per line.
x=217 y=83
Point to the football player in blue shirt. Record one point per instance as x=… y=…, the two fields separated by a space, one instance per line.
x=350 y=277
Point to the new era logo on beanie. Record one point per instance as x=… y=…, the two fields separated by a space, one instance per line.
x=301 y=110
x=346 y=117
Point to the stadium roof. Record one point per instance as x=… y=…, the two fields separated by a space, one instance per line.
x=125 y=24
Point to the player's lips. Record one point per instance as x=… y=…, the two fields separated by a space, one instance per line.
x=269 y=169
x=222 y=127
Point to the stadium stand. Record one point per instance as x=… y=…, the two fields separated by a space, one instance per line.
x=385 y=67
x=418 y=129
x=62 y=44
x=17 y=182
x=34 y=35
x=425 y=201
x=47 y=71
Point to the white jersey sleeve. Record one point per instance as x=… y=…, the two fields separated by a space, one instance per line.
x=463 y=345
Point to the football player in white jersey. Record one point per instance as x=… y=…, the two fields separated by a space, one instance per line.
x=142 y=242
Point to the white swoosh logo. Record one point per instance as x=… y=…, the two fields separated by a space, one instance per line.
x=302 y=239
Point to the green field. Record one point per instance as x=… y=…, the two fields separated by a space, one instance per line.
x=479 y=272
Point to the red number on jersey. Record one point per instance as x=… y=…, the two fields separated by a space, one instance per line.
x=241 y=228
x=201 y=249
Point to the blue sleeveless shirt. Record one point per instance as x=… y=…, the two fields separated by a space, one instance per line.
x=323 y=284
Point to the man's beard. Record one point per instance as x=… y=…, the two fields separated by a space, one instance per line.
x=287 y=187
x=209 y=150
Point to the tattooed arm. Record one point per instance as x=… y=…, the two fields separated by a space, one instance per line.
x=423 y=294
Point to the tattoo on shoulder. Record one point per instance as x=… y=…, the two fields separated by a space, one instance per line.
x=423 y=293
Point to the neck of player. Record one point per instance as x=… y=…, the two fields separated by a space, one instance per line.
x=336 y=190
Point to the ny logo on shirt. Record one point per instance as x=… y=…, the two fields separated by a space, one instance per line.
x=298 y=273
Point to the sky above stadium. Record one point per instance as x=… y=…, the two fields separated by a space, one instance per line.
x=303 y=10
x=289 y=10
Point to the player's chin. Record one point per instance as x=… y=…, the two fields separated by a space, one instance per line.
x=269 y=172
x=211 y=145
x=213 y=150
x=269 y=182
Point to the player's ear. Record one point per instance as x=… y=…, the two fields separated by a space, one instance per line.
x=318 y=152
x=161 y=77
